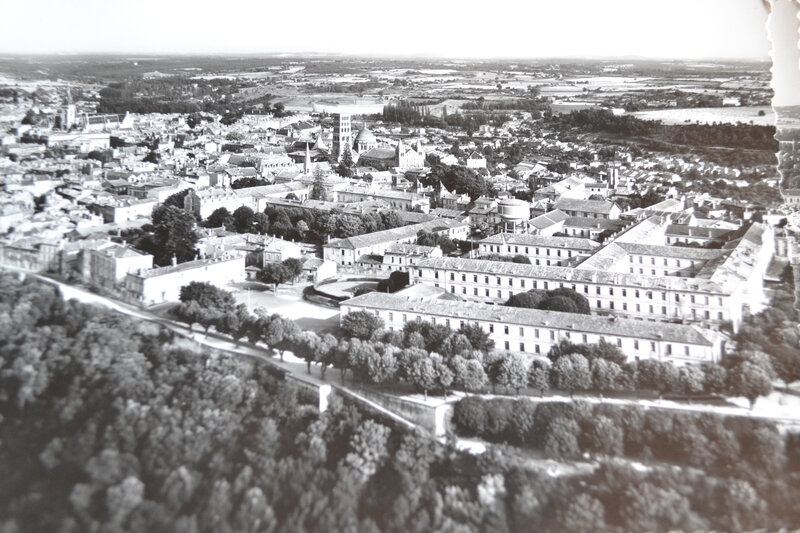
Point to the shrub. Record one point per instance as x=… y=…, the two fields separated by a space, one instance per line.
x=469 y=416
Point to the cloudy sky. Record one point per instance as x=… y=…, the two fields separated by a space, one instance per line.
x=444 y=28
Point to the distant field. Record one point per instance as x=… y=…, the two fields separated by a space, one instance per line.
x=789 y=116
x=708 y=115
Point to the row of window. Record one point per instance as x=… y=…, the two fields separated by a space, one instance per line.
x=653 y=261
x=527 y=250
x=551 y=335
x=696 y=313
x=635 y=293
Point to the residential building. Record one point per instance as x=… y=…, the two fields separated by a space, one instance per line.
x=476 y=160
x=163 y=284
x=588 y=208
x=110 y=262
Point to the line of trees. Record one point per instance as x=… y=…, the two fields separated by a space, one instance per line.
x=603 y=368
x=744 y=459
x=313 y=226
x=433 y=357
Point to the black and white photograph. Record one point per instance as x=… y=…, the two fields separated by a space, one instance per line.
x=399 y=267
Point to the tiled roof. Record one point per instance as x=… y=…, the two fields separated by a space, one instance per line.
x=586 y=206
x=463 y=310
x=526 y=239
x=574 y=275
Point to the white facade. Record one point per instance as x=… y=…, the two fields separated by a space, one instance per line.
x=164 y=284
x=534 y=332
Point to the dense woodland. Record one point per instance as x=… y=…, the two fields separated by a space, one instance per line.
x=736 y=473
x=112 y=424
x=411 y=115
x=744 y=136
x=183 y=94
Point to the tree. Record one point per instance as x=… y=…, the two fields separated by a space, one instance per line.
x=477 y=337
x=306 y=346
x=539 y=376
x=275 y=273
x=189 y=312
x=444 y=376
x=605 y=436
x=530 y=300
x=318 y=191
x=219 y=218
x=294 y=268
x=563 y=299
x=571 y=372
x=584 y=514
x=455 y=344
x=152 y=157
x=513 y=372
x=243 y=219
x=207 y=296
x=604 y=374
x=469 y=416
x=560 y=440
x=261 y=223
x=173 y=236
x=235 y=322
x=396 y=281
x=176 y=199
x=748 y=380
x=422 y=374
x=361 y=324
x=381 y=365
x=277 y=333
x=690 y=379
x=468 y=374
x=325 y=353
x=344 y=168
x=716 y=378
x=560 y=304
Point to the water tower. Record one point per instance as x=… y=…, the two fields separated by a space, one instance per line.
x=514 y=215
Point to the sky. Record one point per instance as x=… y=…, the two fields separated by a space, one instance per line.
x=691 y=29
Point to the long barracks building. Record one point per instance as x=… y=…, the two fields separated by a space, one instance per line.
x=532 y=331
x=731 y=285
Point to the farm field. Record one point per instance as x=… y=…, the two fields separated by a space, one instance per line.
x=709 y=115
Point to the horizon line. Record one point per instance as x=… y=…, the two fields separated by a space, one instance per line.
x=432 y=57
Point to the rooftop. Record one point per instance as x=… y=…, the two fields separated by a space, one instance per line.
x=475 y=311
x=575 y=275
x=526 y=239
x=586 y=206
x=181 y=267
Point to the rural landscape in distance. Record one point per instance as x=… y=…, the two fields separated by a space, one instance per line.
x=375 y=292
